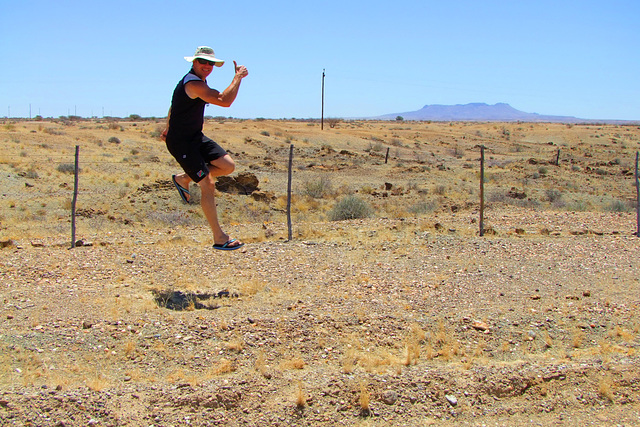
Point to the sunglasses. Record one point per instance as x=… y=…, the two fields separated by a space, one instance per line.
x=205 y=62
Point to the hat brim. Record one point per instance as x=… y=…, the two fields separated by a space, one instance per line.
x=217 y=62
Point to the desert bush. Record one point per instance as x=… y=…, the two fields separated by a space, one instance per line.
x=265 y=133
x=52 y=131
x=157 y=132
x=619 y=206
x=114 y=139
x=317 y=188
x=332 y=122
x=351 y=207
x=170 y=218
x=553 y=195
x=423 y=207
x=440 y=190
x=31 y=174
x=66 y=168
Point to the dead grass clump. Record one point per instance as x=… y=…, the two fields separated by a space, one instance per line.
x=236 y=345
x=577 y=339
x=224 y=366
x=605 y=387
x=348 y=361
x=260 y=364
x=295 y=362
x=301 y=396
x=364 y=399
x=98 y=382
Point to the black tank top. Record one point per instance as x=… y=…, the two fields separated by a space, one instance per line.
x=187 y=115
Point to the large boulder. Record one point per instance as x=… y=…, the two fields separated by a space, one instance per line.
x=245 y=183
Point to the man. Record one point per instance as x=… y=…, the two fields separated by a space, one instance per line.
x=201 y=158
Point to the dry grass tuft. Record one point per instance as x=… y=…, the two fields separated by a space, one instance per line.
x=236 y=345
x=301 y=396
x=365 y=399
x=295 y=362
x=605 y=387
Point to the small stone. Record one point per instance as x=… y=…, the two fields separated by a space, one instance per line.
x=453 y=401
x=389 y=397
x=480 y=326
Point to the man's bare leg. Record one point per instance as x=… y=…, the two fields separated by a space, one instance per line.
x=219 y=167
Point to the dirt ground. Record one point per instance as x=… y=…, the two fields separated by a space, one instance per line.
x=406 y=318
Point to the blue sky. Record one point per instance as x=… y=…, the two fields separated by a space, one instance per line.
x=577 y=58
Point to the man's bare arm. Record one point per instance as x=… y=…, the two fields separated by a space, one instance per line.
x=197 y=89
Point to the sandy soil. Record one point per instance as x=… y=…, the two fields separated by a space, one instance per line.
x=395 y=320
x=422 y=327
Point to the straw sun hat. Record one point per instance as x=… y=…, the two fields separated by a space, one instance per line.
x=205 y=52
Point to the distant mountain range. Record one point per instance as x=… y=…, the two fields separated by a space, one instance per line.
x=480 y=112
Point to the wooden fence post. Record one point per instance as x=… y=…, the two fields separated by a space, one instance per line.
x=558 y=158
x=74 y=200
x=290 y=233
x=482 y=190
x=637 y=197
x=386 y=158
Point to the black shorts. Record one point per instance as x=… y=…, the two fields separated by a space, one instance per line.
x=194 y=156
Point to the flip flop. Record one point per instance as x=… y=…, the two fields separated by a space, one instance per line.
x=183 y=191
x=226 y=247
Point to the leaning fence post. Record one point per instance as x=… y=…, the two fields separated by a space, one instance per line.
x=290 y=234
x=386 y=158
x=637 y=197
x=558 y=158
x=74 y=200
x=482 y=190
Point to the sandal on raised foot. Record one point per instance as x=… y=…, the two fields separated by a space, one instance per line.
x=181 y=190
x=226 y=247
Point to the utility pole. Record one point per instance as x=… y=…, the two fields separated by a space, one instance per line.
x=322 y=114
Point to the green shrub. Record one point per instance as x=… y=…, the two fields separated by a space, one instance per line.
x=351 y=207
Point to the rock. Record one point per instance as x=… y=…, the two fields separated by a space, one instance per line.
x=263 y=196
x=245 y=183
x=515 y=194
x=389 y=397
x=453 y=401
x=7 y=243
x=480 y=326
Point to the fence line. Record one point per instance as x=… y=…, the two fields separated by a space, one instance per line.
x=77 y=191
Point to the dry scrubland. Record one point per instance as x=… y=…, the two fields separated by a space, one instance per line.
x=405 y=317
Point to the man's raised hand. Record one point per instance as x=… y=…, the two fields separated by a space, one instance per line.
x=241 y=70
